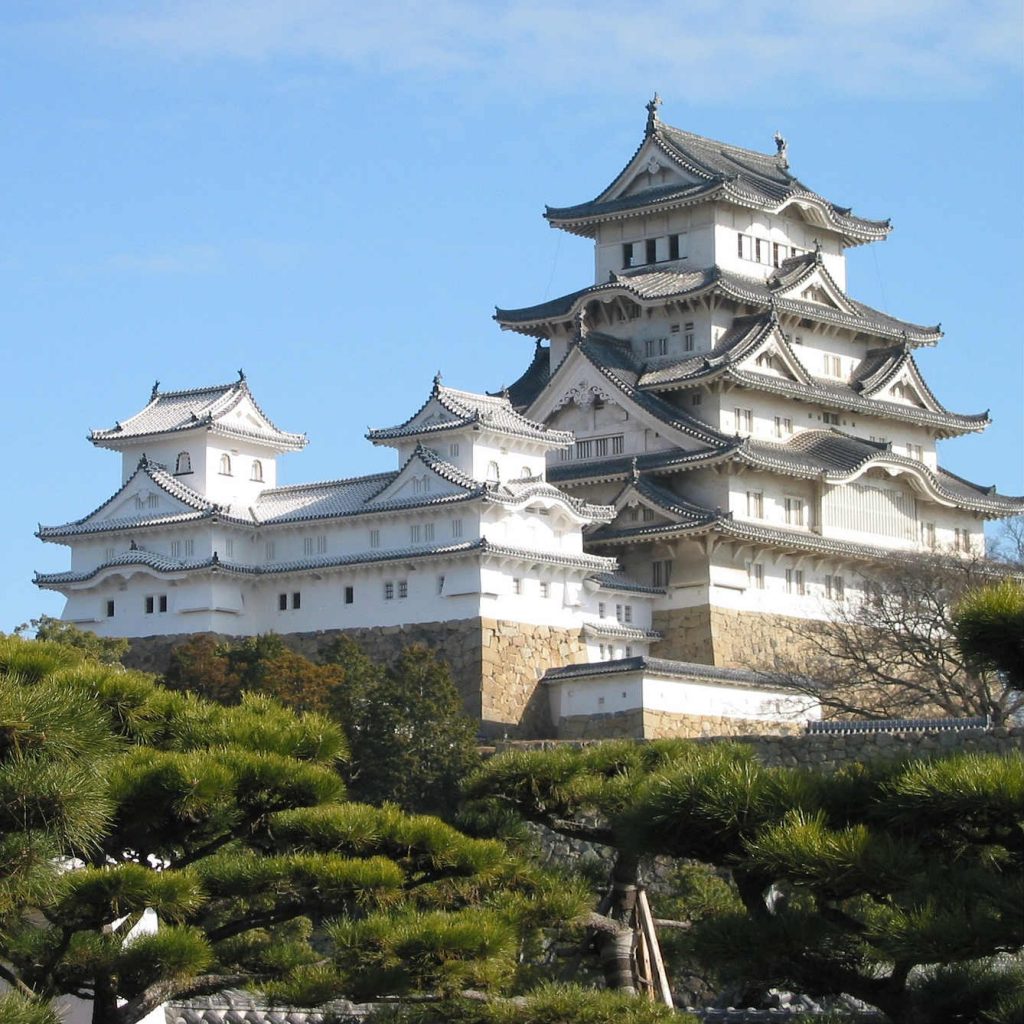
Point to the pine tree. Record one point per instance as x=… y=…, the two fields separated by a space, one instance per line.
x=231 y=824
x=842 y=883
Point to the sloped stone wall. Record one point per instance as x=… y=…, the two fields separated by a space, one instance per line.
x=730 y=639
x=654 y=725
x=495 y=664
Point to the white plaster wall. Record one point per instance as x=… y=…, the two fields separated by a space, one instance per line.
x=634 y=690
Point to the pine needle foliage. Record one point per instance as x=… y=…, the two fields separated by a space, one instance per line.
x=231 y=823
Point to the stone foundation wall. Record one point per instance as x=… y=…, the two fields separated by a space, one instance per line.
x=656 y=725
x=731 y=639
x=495 y=664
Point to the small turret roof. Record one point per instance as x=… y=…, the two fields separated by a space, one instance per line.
x=457 y=410
x=712 y=170
x=173 y=412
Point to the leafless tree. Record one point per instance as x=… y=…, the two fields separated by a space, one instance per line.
x=892 y=653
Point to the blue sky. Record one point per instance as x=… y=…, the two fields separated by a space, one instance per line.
x=335 y=196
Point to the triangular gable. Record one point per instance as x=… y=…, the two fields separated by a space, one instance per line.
x=819 y=287
x=244 y=415
x=907 y=387
x=577 y=381
x=654 y=165
x=773 y=356
x=422 y=479
x=148 y=495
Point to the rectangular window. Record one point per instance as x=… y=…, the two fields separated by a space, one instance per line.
x=270 y=550
x=403 y=589
x=415 y=533
x=584 y=449
x=190 y=548
x=674 y=329
x=744 y=421
x=229 y=546
x=453 y=451
x=428 y=532
x=153 y=500
x=756 y=575
x=648 y=515
x=350 y=595
x=627 y=613
x=833 y=367
x=795 y=511
x=296 y=599
x=745 y=247
x=755 y=505
x=648 y=347
x=517 y=585
x=928 y=535
x=696 y=399
x=149 y=606
x=778 y=254
x=389 y=590
x=688 y=338
x=795 y=582
x=651 y=250
x=307 y=545
x=663 y=346
x=321 y=544
x=914 y=451
x=162 y=603
x=600 y=446
x=673 y=247
x=440 y=585
x=545 y=589
x=110 y=609
x=108 y=553
x=600 y=609
x=961 y=539
x=835 y=589
x=282 y=602
x=618 y=443
x=627 y=254
x=375 y=538
x=830 y=418
x=661 y=572
x=778 y=426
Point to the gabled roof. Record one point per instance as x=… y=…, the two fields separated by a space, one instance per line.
x=670 y=505
x=749 y=335
x=711 y=170
x=612 y=359
x=523 y=392
x=140 y=558
x=448 y=409
x=672 y=281
x=173 y=412
x=191 y=506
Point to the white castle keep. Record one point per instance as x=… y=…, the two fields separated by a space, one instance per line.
x=712 y=440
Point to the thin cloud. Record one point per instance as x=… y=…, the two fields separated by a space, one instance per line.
x=699 y=49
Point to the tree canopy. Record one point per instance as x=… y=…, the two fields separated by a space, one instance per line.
x=851 y=882
x=231 y=824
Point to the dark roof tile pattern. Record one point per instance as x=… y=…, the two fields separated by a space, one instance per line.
x=619 y=581
x=660 y=666
x=169 y=412
x=161 y=563
x=744 y=176
x=160 y=478
x=653 y=285
x=466 y=409
x=524 y=391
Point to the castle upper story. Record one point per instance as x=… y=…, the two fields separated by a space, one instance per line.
x=688 y=202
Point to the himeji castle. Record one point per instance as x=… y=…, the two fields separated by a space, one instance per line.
x=712 y=441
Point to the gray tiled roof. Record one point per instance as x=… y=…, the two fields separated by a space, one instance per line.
x=672 y=281
x=685 y=511
x=234 y=1006
x=743 y=176
x=523 y=392
x=170 y=412
x=878 y=368
x=158 y=476
x=619 y=581
x=617 y=631
x=660 y=666
x=161 y=563
x=465 y=408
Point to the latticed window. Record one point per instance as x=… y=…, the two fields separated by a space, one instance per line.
x=225 y=465
x=183 y=463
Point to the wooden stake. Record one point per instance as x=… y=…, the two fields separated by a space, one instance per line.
x=650 y=935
